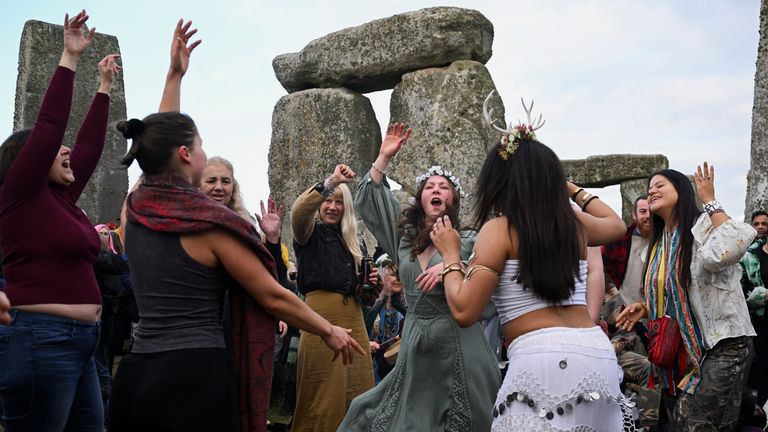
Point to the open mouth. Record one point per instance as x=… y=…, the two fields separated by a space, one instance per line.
x=65 y=164
x=217 y=197
x=436 y=201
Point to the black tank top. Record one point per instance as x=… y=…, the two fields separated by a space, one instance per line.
x=180 y=301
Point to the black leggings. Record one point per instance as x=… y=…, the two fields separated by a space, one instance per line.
x=180 y=390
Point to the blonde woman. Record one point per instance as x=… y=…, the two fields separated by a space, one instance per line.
x=328 y=253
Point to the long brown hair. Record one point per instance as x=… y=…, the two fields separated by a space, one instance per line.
x=413 y=218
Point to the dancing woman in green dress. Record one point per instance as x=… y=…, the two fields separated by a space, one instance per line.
x=446 y=377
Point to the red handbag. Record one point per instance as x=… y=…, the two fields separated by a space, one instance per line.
x=664 y=341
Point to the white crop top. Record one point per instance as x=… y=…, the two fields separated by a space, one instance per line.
x=512 y=300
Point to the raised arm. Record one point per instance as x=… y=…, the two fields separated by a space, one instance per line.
x=90 y=139
x=601 y=223
x=181 y=49
x=30 y=169
x=309 y=202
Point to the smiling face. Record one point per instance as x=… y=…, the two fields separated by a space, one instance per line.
x=662 y=197
x=642 y=217
x=218 y=183
x=61 y=171
x=436 y=197
x=332 y=209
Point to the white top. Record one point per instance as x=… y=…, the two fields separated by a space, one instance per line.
x=513 y=301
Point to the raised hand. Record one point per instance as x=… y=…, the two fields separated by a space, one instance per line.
x=705 y=182
x=108 y=68
x=447 y=240
x=270 y=220
x=342 y=343
x=397 y=135
x=181 y=49
x=342 y=174
x=75 y=41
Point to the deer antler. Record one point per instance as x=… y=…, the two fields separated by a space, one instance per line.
x=538 y=123
x=488 y=114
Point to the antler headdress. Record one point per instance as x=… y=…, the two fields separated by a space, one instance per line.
x=513 y=134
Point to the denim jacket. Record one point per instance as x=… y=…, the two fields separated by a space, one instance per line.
x=715 y=292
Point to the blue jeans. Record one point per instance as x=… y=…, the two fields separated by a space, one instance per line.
x=48 y=376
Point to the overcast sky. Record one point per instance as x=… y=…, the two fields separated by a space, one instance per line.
x=610 y=76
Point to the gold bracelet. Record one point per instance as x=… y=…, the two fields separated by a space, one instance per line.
x=575 y=194
x=593 y=197
x=457 y=263
x=479 y=267
x=451 y=268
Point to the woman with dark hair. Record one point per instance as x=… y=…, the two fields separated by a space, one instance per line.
x=185 y=251
x=692 y=275
x=445 y=376
x=530 y=259
x=48 y=379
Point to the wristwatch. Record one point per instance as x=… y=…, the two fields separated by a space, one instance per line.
x=325 y=188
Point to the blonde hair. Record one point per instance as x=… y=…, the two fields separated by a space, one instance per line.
x=236 y=202
x=349 y=224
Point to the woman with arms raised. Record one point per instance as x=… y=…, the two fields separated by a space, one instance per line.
x=48 y=379
x=530 y=259
x=185 y=251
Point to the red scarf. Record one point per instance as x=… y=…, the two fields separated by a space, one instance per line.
x=171 y=204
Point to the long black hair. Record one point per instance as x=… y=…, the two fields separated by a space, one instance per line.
x=685 y=213
x=529 y=188
x=413 y=217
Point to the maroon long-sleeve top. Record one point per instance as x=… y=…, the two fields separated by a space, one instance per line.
x=48 y=243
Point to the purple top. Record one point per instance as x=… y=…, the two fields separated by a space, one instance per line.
x=49 y=245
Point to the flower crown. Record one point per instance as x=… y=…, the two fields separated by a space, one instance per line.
x=438 y=170
x=383 y=261
x=513 y=134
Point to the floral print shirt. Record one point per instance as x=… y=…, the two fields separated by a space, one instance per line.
x=715 y=292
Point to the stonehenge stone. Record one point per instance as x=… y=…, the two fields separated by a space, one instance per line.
x=757 y=178
x=606 y=170
x=630 y=190
x=375 y=55
x=312 y=132
x=39 y=53
x=444 y=108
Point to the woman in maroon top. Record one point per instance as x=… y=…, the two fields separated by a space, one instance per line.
x=49 y=378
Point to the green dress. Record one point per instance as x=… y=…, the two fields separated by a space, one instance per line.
x=446 y=377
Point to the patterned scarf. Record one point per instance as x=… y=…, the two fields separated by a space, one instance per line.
x=662 y=282
x=171 y=204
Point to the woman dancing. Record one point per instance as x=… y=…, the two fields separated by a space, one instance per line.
x=445 y=376
x=530 y=259
x=693 y=276
x=48 y=379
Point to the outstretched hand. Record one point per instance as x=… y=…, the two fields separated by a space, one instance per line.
x=108 y=68
x=397 y=135
x=340 y=341
x=181 y=49
x=270 y=220
x=705 y=182
x=342 y=174
x=628 y=317
x=75 y=41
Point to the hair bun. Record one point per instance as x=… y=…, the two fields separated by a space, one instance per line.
x=131 y=128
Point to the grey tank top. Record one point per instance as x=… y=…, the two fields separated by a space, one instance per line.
x=180 y=301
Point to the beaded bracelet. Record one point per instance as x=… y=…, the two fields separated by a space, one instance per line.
x=375 y=168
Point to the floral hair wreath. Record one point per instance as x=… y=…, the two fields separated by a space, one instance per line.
x=383 y=261
x=513 y=134
x=438 y=170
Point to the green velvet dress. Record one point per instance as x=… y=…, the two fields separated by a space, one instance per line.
x=446 y=377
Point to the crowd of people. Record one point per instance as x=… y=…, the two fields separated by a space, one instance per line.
x=544 y=312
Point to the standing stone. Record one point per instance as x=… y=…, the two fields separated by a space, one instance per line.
x=757 y=178
x=375 y=55
x=39 y=53
x=630 y=190
x=444 y=108
x=312 y=132
x=612 y=169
